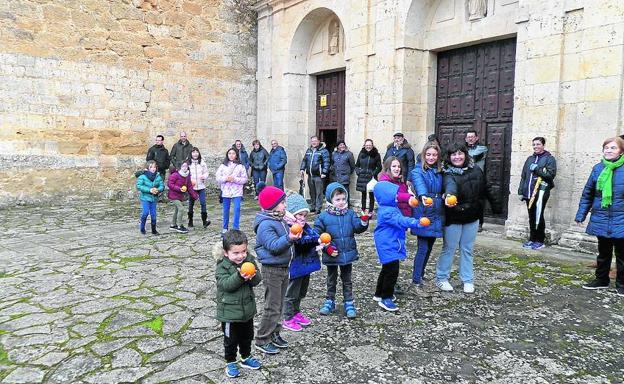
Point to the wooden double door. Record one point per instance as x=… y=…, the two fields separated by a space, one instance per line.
x=475 y=91
x=330 y=108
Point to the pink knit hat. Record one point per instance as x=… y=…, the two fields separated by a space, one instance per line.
x=269 y=197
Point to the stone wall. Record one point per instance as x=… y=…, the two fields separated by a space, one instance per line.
x=86 y=85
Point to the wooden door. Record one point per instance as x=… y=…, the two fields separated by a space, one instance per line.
x=330 y=108
x=475 y=91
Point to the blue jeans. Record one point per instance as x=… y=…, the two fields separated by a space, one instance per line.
x=278 y=179
x=425 y=244
x=462 y=236
x=149 y=209
x=202 y=201
x=258 y=176
x=226 y=211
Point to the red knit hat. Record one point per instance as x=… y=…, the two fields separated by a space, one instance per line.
x=269 y=197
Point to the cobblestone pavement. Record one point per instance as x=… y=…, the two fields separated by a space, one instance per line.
x=85 y=298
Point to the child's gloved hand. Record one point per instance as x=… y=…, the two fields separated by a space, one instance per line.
x=331 y=250
x=365 y=216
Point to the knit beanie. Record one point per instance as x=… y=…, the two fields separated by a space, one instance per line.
x=269 y=197
x=295 y=203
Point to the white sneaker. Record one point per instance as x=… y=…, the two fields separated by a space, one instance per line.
x=469 y=288
x=444 y=286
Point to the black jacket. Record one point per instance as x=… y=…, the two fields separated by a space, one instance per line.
x=367 y=166
x=405 y=154
x=470 y=188
x=546 y=169
x=160 y=155
x=258 y=159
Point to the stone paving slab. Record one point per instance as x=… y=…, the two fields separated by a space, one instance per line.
x=85 y=298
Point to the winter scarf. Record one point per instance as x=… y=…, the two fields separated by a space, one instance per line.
x=605 y=180
x=275 y=214
x=183 y=174
x=150 y=175
x=333 y=210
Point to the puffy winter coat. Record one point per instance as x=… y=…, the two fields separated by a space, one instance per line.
x=402 y=196
x=389 y=233
x=316 y=161
x=306 y=259
x=236 y=301
x=180 y=152
x=277 y=159
x=546 y=169
x=160 y=155
x=232 y=188
x=258 y=159
x=175 y=182
x=367 y=166
x=342 y=229
x=603 y=222
x=273 y=246
x=144 y=185
x=470 y=187
x=428 y=183
x=405 y=154
x=342 y=166
x=199 y=174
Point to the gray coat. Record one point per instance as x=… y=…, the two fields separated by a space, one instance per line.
x=343 y=165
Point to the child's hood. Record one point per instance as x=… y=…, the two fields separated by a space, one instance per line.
x=217 y=252
x=385 y=193
x=331 y=188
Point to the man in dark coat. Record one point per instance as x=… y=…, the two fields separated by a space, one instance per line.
x=277 y=164
x=402 y=150
x=315 y=164
x=160 y=155
x=180 y=151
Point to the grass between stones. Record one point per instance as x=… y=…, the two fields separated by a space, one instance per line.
x=155 y=325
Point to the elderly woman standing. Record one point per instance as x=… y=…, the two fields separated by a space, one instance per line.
x=603 y=195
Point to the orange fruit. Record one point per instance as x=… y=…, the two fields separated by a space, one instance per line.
x=428 y=201
x=413 y=202
x=248 y=268
x=451 y=200
x=425 y=222
x=183 y=188
x=325 y=238
x=296 y=229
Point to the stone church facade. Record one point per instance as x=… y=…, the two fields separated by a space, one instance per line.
x=512 y=70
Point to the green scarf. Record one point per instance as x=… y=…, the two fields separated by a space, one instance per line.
x=605 y=180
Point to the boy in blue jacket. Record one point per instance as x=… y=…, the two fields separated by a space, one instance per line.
x=274 y=250
x=342 y=224
x=389 y=236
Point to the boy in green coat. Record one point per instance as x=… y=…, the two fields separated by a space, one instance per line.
x=236 y=302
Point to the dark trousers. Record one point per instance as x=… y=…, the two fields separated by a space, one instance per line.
x=258 y=176
x=275 y=281
x=297 y=289
x=606 y=247
x=237 y=337
x=387 y=280
x=425 y=245
x=317 y=190
x=537 y=232
x=345 y=277
x=371 y=201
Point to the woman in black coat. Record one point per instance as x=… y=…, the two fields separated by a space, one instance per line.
x=367 y=166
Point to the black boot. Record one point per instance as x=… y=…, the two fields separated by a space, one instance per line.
x=142 y=228
x=154 y=231
x=190 y=217
x=204 y=216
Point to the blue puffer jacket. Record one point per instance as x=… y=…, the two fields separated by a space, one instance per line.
x=342 y=229
x=603 y=222
x=428 y=183
x=273 y=246
x=144 y=184
x=277 y=159
x=306 y=258
x=389 y=233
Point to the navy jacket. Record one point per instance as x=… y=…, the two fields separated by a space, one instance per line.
x=273 y=246
x=428 y=183
x=316 y=161
x=343 y=165
x=306 y=259
x=258 y=159
x=603 y=222
x=405 y=154
x=277 y=159
x=389 y=233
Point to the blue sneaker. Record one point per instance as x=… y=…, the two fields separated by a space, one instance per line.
x=388 y=305
x=268 y=348
x=536 y=246
x=350 y=310
x=231 y=370
x=527 y=245
x=251 y=363
x=328 y=307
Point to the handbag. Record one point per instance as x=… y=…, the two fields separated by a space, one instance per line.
x=370 y=185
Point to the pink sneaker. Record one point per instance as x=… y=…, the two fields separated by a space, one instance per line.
x=301 y=320
x=292 y=325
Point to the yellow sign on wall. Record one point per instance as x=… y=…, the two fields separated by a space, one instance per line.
x=323 y=101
